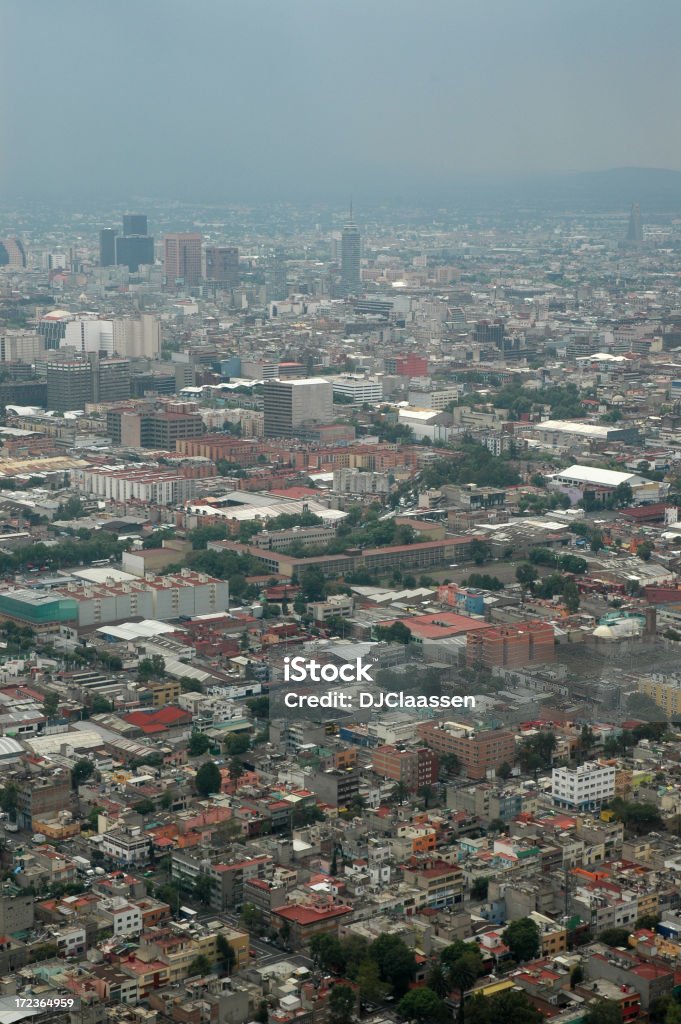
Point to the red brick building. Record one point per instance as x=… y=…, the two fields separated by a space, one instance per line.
x=413 y=768
x=478 y=752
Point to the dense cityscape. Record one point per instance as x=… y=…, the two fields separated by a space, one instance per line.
x=340 y=512
x=340 y=615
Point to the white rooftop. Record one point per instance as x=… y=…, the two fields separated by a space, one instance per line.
x=593 y=475
x=134 y=630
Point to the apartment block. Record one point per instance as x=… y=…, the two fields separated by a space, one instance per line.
x=480 y=753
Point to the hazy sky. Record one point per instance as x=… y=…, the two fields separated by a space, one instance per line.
x=218 y=99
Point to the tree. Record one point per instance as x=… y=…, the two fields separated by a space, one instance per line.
x=450 y=764
x=100 y=705
x=236 y=769
x=510 y=1007
x=252 y=918
x=399 y=793
x=313 y=584
x=236 y=744
x=644 y=550
x=208 y=779
x=423 y=1005
x=571 y=597
x=462 y=974
x=397 y=633
x=479 y=551
x=199 y=743
x=202 y=888
x=522 y=937
x=576 y=976
x=504 y=771
x=144 y=807
x=395 y=961
x=341 y=1004
x=355 y=953
x=151 y=668
x=371 y=988
x=199 y=966
x=603 y=1011
x=225 y=953
x=526 y=574
x=673 y=1014
x=615 y=937
x=479 y=889
x=650 y=921
x=169 y=893
x=641 y=705
x=259 y=707
x=327 y=953
x=51 y=704
x=262 y=1014
x=437 y=981
x=81 y=772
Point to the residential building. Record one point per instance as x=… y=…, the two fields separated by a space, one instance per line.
x=413 y=768
x=584 y=788
x=480 y=753
x=304 y=920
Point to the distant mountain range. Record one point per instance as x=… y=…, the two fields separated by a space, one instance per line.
x=611 y=191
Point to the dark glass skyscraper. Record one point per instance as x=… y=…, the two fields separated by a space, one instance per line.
x=132 y=251
x=134 y=223
x=107 y=247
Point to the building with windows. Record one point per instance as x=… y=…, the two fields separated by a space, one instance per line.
x=413 y=768
x=12 y=253
x=351 y=254
x=585 y=788
x=358 y=388
x=126 y=847
x=222 y=265
x=107 y=247
x=304 y=920
x=182 y=260
x=288 y=404
x=479 y=753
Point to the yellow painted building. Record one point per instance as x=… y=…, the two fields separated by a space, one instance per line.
x=164 y=692
x=666 y=695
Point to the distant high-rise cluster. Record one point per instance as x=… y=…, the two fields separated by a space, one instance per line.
x=132 y=249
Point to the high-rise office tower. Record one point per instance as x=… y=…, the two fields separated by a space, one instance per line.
x=107 y=247
x=134 y=251
x=12 y=252
x=351 y=251
x=70 y=384
x=635 y=228
x=289 y=403
x=222 y=264
x=134 y=224
x=182 y=260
